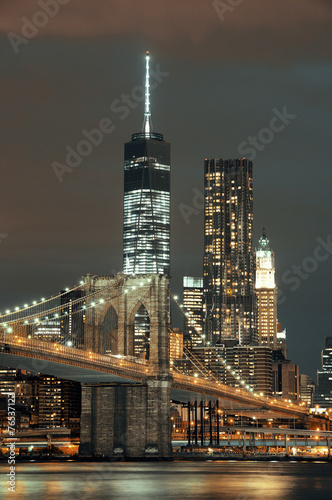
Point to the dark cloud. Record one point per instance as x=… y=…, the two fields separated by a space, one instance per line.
x=224 y=80
x=254 y=30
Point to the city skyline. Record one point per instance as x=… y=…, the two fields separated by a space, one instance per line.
x=58 y=231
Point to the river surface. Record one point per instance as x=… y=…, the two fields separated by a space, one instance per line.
x=169 y=480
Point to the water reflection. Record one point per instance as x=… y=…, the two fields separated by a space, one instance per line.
x=170 y=480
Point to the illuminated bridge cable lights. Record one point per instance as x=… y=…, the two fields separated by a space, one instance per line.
x=59 y=307
x=199 y=366
x=39 y=317
x=36 y=303
x=229 y=369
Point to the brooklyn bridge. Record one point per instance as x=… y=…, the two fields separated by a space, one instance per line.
x=126 y=397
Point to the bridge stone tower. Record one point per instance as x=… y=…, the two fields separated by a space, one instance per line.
x=130 y=420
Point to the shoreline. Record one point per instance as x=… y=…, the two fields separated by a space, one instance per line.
x=176 y=458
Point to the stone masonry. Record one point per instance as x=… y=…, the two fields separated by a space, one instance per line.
x=127 y=420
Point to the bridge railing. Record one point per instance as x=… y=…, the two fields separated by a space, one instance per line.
x=213 y=385
x=32 y=347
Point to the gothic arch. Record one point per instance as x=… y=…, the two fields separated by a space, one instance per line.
x=140 y=330
x=110 y=331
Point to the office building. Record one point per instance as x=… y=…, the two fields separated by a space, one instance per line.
x=48 y=331
x=248 y=367
x=193 y=310
x=307 y=388
x=58 y=402
x=266 y=292
x=229 y=266
x=72 y=318
x=7 y=380
x=146 y=226
x=175 y=344
x=323 y=391
x=285 y=377
x=282 y=340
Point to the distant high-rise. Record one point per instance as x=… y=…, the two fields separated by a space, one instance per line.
x=266 y=292
x=193 y=307
x=307 y=387
x=73 y=318
x=323 y=391
x=229 y=266
x=286 y=377
x=193 y=302
x=146 y=226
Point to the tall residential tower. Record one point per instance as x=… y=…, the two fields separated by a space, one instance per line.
x=230 y=301
x=146 y=226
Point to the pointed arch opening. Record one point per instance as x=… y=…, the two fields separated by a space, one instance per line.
x=110 y=331
x=142 y=333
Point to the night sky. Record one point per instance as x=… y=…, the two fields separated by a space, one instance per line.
x=220 y=78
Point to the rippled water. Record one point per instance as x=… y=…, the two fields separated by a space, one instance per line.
x=170 y=480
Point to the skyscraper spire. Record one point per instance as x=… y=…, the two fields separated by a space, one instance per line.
x=264 y=243
x=147 y=126
x=147 y=197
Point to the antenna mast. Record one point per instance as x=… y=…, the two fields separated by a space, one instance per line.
x=147 y=113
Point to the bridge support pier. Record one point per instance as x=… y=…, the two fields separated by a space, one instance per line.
x=329 y=448
x=126 y=421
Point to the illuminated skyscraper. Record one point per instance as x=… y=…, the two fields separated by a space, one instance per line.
x=193 y=302
x=193 y=307
x=323 y=392
x=266 y=292
x=146 y=231
x=230 y=300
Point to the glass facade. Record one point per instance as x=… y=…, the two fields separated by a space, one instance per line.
x=230 y=301
x=146 y=231
x=323 y=391
x=193 y=307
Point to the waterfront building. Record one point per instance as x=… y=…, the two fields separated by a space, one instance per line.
x=58 y=402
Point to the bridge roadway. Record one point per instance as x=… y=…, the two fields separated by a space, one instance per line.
x=89 y=367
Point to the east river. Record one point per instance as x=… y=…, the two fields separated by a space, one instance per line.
x=169 y=480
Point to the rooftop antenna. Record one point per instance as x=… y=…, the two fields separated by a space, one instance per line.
x=147 y=126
